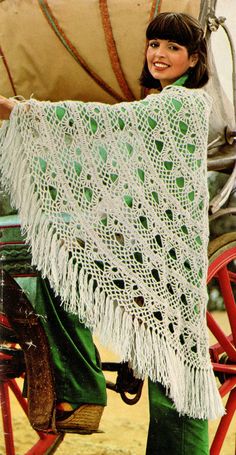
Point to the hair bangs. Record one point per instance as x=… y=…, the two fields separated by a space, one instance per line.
x=169 y=27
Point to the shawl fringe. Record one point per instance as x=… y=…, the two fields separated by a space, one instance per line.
x=195 y=392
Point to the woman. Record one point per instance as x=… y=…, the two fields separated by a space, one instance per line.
x=114 y=199
x=172 y=48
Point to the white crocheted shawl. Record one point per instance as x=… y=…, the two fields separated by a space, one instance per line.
x=114 y=202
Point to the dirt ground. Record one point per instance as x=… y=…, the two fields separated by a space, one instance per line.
x=125 y=427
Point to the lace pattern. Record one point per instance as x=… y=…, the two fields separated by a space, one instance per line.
x=114 y=202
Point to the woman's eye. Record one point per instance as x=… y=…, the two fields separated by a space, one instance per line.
x=174 y=48
x=153 y=44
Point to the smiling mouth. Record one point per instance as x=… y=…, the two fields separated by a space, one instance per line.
x=161 y=65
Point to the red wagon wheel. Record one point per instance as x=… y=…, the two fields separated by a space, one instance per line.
x=222 y=272
x=47 y=443
x=222 y=268
x=13 y=365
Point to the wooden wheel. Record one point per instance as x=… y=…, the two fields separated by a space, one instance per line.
x=12 y=366
x=222 y=269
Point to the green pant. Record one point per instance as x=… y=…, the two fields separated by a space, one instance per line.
x=79 y=379
x=171 y=434
x=78 y=376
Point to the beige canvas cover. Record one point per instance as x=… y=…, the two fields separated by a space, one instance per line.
x=81 y=49
x=90 y=50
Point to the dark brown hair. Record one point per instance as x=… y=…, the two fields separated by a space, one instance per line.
x=186 y=31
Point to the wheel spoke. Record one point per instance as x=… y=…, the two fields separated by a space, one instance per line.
x=6 y=417
x=223 y=353
x=229 y=300
x=232 y=277
x=221 y=337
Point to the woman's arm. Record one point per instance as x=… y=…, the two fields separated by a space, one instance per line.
x=6 y=106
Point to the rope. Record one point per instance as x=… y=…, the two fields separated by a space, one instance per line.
x=112 y=51
x=155 y=9
x=8 y=71
x=233 y=54
x=73 y=51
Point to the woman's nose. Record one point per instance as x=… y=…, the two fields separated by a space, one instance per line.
x=160 y=51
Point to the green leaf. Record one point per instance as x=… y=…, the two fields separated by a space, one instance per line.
x=103 y=154
x=78 y=168
x=199 y=163
x=88 y=194
x=172 y=253
x=169 y=214
x=191 y=196
x=168 y=165
x=143 y=220
x=198 y=240
x=152 y=123
x=159 y=145
x=187 y=264
x=104 y=221
x=113 y=177
x=141 y=174
x=184 y=229
x=183 y=127
x=129 y=148
x=158 y=240
x=191 y=148
x=138 y=257
x=177 y=104
x=155 y=196
x=43 y=164
x=121 y=123
x=93 y=125
x=128 y=200
x=60 y=112
x=180 y=182
x=201 y=205
x=196 y=309
x=53 y=192
x=68 y=139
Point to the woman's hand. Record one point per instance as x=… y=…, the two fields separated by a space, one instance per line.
x=6 y=107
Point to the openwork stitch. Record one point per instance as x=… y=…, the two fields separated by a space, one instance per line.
x=114 y=203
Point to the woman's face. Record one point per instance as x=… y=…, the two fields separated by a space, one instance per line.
x=167 y=60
